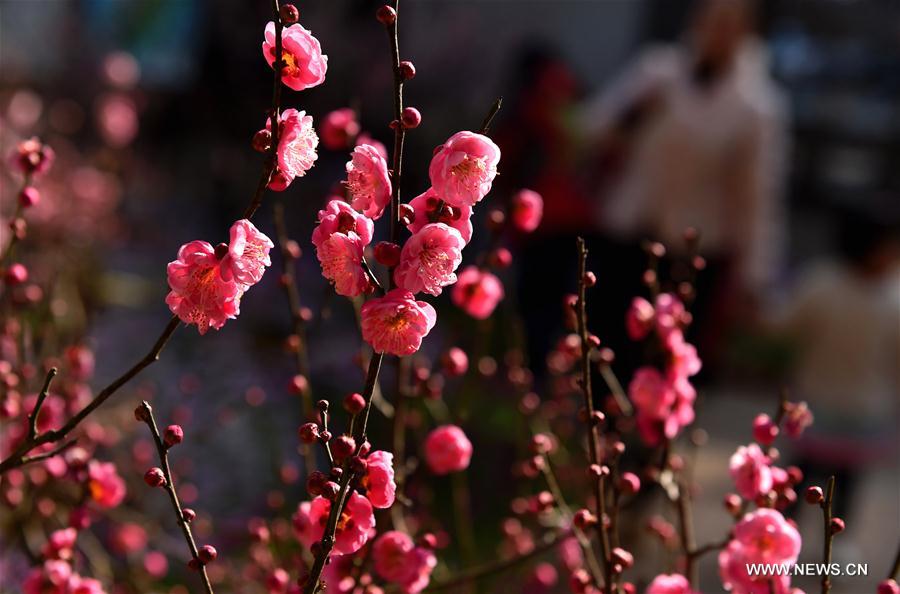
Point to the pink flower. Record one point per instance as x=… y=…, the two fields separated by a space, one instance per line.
x=52 y=578
x=429 y=259
x=128 y=538
x=339 y=217
x=763 y=536
x=106 y=486
x=426 y=208
x=447 y=449
x=463 y=168
x=338 y=128
x=684 y=361
x=670 y=584
x=199 y=295
x=303 y=526
x=304 y=64
x=83 y=585
x=649 y=392
x=32 y=157
x=60 y=545
x=297 y=142
x=398 y=560
x=670 y=313
x=368 y=181
x=749 y=468
x=477 y=292
x=341 y=258
x=664 y=405
x=364 y=138
x=396 y=323
x=379 y=479
x=526 y=210
x=639 y=318
x=797 y=418
x=248 y=254
x=354 y=526
x=80 y=362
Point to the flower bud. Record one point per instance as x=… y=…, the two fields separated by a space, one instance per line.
x=195 y=565
x=541 y=444
x=888 y=587
x=16 y=274
x=29 y=197
x=428 y=541
x=354 y=403
x=188 y=515
x=411 y=117
x=629 y=483
x=315 y=482
x=837 y=525
x=386 y=15
x=207 y=554
x=622 y=557
x=500 y=258
x=590 y=279
x=330 y=490
x=322 y=405
x=309 y=433
x=174 y=435
x=262 y=141
x=814 y=496
x=343 y=447
x=298 y=384
x=155 y=477
x=732 y=503
x=584 y=519
x=387 y=253
x=407 y=69
x=358 y=465
x=289 y=14
x=764 y=430
x=407 y=214
x=142 y=413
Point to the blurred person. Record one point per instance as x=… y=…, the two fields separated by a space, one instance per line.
x=693 y=135
x=843 y=317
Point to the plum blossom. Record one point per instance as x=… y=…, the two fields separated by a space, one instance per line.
x=368 y=181
x=477 y=292
x=684 y=361
x=639 y=318
x=447 y=449
x=297 y=142
x=664 y=405
x=32 y=157
x=304 y=65
x=749 y=468
x=379 y=479
x=399 y=560
x=670 y=313
x=105 y=485
x=670 y=584
x=340 y=217
x=429 y=259
x=248 y=254
x=526 y=210
x=60 y=544
x=199 y=295
x=341 y=258
x=427 y=209
x=762 y=536
x=463 y=168
x=354 y=527
x=396 y=323
x=338 y=128
x=797 y=418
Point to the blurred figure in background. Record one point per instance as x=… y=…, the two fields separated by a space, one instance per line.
x=844 y=320
x=692 y=135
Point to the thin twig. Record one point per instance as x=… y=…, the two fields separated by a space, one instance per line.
x=829 y=533
x=496 y=567
x=36 y=411
x=685 y=519
x=489 y=118
x=169 y=486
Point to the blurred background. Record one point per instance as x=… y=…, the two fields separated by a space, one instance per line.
x=773 y=127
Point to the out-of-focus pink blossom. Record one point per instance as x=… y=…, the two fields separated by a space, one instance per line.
x=526 y=210
x=429 y=259
x=117 y=118
x=79 y=362
x=32 y=157
x=684 y=361
x=639 y=318
x=128 y=538
x=670 y=584
x=354 y=527
x=83 y=585
x=199 y=295
x=396 y=323
x=447 y=449
x=670 y=313
x=762 y=536
x=477 y=292
x=664 y=405
x=399 y=560
x=749 y=469
x=156 y=564
x=341 y=258
x=338 y=128
x=248 y=254
x=106 y=486
x=463 y=168
x=368 y=181
x=428 y=209
x=340 y=217
x=304 y=65
x=297 y=142
x=60 y=544
x=797 y=418
x=379 y=479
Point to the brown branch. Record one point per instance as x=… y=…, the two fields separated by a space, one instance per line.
x=599 y=486
x=496 y=567
x=489 y=118
x=399 y=131
x=146 y=414
x=688 y=544
x=33 y=417
x=829 y=533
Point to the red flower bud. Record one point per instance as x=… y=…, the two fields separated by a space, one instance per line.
x=174 y=435
x=590 y=279
x=387 y=253
x=309 y=432
x=343 y=447
x=29 y=197
x=354 y=403
x=386 y=15
x=814 y=496
x=411 y=118
x=837 y=525
x=207 y=554
x=407 y=69
x=298 y=384
x=155 y=477
x=188 y=515
x=289 y=14
x=16 y=274
x=629 y=483
x=262 y=141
